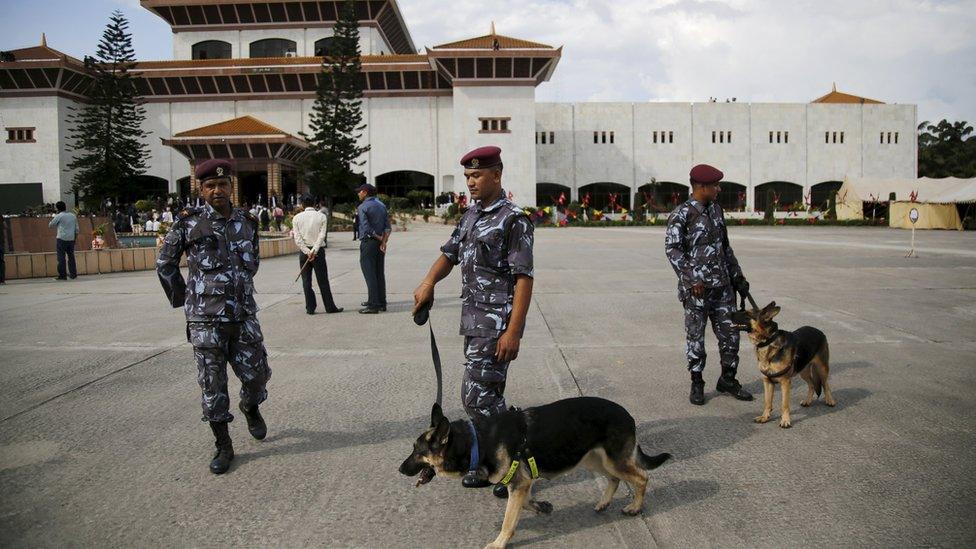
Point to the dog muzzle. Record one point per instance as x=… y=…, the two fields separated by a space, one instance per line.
x=741 y=321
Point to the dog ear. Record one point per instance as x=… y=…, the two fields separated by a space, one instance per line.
x=442 y=432
x=769 y=311
x=436 y=415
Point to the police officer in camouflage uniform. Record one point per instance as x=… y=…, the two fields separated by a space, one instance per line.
x=697 y=245
x=221 y=246
x=493 y=245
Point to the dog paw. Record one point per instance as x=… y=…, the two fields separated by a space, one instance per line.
x=543 y=507
x=806 y=403
x=785 y=423
x=761 y=419
x=601 y=507
x=631 y=511
x=831 y=403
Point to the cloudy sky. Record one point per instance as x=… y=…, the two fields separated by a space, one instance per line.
x=897 y=51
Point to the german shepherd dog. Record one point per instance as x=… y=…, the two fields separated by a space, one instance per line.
x=557 y=437
x=783 y=355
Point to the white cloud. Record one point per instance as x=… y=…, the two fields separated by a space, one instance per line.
x=898 y=51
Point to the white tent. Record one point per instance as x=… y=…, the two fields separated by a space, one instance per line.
x=935 y=199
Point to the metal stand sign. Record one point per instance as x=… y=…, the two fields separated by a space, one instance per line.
x=913 y=216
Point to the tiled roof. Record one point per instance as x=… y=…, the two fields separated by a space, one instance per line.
x=40 y=53
x=487 y=42
x=243 y=126
x=840 y=97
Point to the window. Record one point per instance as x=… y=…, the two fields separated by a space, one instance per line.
x=896 y=138
x=20 y=135
x=211 y=49
x=889 y=140
x=596 y=137
x=325 y=47
x=273 y=47
x=543 y=138
x=780 y=137
x=723 y=137
x=494 y=125
x=670 y=137
x=832 y=137
x=600 y=137
x=611 y=137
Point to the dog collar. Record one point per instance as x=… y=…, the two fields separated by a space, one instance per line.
x=770 y=340
x=475 y=453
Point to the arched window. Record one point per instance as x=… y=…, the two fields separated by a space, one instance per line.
x=211 y=49
x=273 y=47
x=325 y=47
x=547 y=194
x=663 y=196
x=788 y=194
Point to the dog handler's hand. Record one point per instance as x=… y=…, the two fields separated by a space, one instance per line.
x=507 y=348
x=422 y=295
x=698 y=290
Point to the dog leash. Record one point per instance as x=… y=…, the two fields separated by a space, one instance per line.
x=423 y=317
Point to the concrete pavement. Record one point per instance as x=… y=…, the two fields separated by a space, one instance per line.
x=101 y=443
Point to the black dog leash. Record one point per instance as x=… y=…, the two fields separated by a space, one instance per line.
x=423 y=317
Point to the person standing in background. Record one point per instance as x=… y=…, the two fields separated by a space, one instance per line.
x=374 y=233
x=67 y=225
x=309 y=228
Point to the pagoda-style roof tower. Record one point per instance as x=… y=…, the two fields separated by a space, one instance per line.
x=495 y=59
x=199 y=15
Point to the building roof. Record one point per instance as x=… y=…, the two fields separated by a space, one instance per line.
x=840 y=97
x=40 y=53
x=238 y=127
x=490 y=41
x=271 y=61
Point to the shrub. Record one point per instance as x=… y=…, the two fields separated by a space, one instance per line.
x=144 y=205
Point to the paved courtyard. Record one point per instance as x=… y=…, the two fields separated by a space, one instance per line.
x=101 y=443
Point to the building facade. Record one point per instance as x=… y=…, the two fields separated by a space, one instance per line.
x=242 y=82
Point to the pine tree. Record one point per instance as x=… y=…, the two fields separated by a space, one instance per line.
x=106 y=133
x=336 y=123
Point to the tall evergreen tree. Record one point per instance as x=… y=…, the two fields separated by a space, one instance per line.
x=106 y=133
x=336 y=123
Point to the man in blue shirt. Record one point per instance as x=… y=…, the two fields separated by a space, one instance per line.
x=374 y=233
x=67 y=225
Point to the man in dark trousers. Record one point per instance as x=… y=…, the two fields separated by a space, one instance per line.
x=493 y=245
x=310 y=228
x=697 y=245
x=221 y=246
x=3 y=246
x=66 y=224
x=374 y=233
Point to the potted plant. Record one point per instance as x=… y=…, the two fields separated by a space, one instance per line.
x=98 y=237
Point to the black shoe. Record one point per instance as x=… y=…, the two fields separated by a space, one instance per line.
x=255 y=423
x=729 y=385
x=310 y=312
x=697 y=396
x=61 y=278
x=500 y=491
x=381 y=308
x=368 y=311
x=334 y=311
x=73 y=277
x=472 y=480
x=225 y=449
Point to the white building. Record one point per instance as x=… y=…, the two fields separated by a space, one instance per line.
x=241 y=84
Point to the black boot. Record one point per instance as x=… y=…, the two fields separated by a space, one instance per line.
x=500 y=491
x=697 y=396
x=225 y=449
x=729 y=385
x=255 y=423
x=473 y=480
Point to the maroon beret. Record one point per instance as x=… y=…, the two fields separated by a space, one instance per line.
x=213 y=169
x=482 y=157
x=703 y=174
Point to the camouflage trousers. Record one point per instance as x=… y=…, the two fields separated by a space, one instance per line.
x=240 y=343
x=483 y=384
x=717 y=305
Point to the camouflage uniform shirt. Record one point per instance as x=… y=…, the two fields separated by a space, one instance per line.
x=492 y=244
x=698 y=249
x=222 y=259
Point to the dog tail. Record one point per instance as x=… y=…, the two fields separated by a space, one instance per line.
x=651 y=462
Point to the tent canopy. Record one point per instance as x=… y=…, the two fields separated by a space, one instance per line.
x=949 y=190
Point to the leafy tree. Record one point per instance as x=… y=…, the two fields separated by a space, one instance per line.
x=106 y=133
x=337 y=119
x=946 y=149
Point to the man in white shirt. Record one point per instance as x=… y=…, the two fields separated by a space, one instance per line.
x=309 y=228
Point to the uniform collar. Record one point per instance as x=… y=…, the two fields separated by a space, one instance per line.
x=235 y=213
x=502 y=198
x=310 y=209
x=699 y=205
